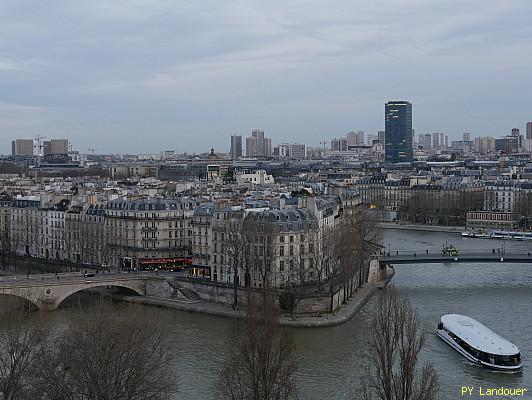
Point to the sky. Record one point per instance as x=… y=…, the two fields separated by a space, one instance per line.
x=140 y=76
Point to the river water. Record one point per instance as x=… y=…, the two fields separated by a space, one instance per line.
x=330 y=360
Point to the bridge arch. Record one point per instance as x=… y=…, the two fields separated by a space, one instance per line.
x=28 y=300
x=62 y=294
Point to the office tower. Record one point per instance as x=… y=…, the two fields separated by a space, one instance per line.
x=351 y=138
x=355 y=138
x=425 y=141
x=267 y=147
x=518 y=138
x=359 y=138
x=339 y=144
x=485 y=145
x=59 y=146
x=529 y=130
x=251 y=146
x=236 y=147
x=398 y=131
x=442 y=140
x=435 y=141
x=22 y=147
x=467 y=137
x=257 y=145
x=446 y=142
x=295 y=151
x=380 y=135
x=258 y=134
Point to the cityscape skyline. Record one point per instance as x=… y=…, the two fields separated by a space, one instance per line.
x=319 y=72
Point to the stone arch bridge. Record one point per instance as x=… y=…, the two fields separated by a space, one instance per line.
x=47 y=292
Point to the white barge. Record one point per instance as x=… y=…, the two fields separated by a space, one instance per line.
x=478 y=344
x=508 y=235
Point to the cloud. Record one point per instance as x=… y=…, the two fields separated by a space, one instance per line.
x=166 y=70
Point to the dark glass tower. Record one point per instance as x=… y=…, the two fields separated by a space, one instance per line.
x=398 y=131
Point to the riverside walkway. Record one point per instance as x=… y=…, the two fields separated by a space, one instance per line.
x=428 y=257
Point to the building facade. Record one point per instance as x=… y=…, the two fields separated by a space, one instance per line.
x=398 y=131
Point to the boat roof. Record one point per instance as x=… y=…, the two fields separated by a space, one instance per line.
x=477 y=335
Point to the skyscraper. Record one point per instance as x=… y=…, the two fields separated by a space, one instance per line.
x=425 y=141
x=529 y=130
x=257 y=145
x=398 y=131
x=435 y=141
x=466 y=137
x=236 y=147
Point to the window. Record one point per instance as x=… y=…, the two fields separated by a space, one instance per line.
x=281 y=251
x=281 y=265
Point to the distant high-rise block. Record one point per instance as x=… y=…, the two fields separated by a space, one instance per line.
x=467 y=137
x=251 y=147
x=435 y=141
x=236 y=147
x=398 y=131
x=425 y=141
x=22 y=147
x=380 y=135
x=257 y=145
x=371 y=139
x=59 y=146
x=529 y=130
x=341 y=144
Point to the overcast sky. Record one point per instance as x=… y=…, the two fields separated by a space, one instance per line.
x=147 y=75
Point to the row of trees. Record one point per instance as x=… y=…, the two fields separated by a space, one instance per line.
x=102 y=357
x=121 y=356
x=261 y=363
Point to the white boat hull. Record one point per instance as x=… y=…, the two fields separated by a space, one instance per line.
x=447 y=339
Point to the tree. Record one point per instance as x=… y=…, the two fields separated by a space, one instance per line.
x=260 y=364
x=367 y=238
x=233 y=248
x=104 y=357
x=20 y=344
x=395 y=340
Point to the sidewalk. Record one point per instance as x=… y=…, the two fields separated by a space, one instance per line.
x=344 y=314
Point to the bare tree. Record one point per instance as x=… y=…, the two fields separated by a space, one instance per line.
x=367 y=238
x=395 y=340
x=20 y=344
x=260 y=364
x=321 y=250
x=234 y=248
x=104 y=357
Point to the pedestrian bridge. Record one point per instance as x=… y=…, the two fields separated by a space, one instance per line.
x=462 y=257
x=48 y=291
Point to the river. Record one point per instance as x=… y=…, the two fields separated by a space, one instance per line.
x=330 y=360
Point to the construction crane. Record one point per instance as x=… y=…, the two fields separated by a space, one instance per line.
x=92 y=150
x=39 y=140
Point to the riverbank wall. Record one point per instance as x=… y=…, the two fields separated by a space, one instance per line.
x=182 y=302
x=422 y=228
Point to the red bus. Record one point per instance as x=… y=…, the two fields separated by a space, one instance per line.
x=165 y=264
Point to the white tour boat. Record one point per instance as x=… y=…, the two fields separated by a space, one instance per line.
x=478 y=344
